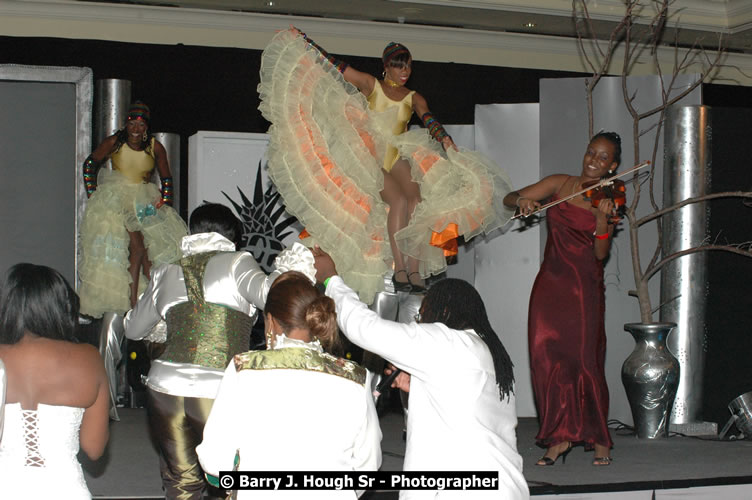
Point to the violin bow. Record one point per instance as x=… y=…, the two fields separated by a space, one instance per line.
x=600 y=183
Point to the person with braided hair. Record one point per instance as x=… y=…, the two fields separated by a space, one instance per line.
x=461 y=384
x=371 y=193
x=129 y=225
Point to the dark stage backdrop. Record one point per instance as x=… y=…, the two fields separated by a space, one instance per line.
x=193 y=88
x=729 y=308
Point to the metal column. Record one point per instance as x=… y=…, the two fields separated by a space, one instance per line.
x=171 y=143
x=111 y=100
x=686 y=174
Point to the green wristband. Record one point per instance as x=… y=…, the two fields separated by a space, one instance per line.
x=326 y=281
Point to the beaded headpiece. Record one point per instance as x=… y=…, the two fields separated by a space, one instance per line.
x=139 y=111
x=392 y=50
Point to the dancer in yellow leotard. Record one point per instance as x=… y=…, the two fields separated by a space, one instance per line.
x=128 y=224
x=400 y=192
x=337 y=156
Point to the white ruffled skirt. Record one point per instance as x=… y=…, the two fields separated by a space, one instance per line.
x=115 y=208
x=325 y=157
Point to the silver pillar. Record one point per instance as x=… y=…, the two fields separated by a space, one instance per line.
x=686 y=174
x=171 y=143
x=110 y=348
x=111 y=100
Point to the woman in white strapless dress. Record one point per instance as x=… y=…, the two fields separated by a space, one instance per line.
x=56 y=395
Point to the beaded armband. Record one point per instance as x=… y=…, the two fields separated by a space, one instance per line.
x=90 y=175
x=339 y=65
x=167 y=193
x=434 y=127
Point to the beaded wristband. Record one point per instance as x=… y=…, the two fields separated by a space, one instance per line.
x=167 y=193
x=603 y=236
x=434 y=127
x=90 y=175
x=339 y=65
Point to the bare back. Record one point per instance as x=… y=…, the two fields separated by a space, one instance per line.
x=60 y=373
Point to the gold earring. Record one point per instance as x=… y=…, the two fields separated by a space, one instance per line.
x=144 y=137
x=269 y=339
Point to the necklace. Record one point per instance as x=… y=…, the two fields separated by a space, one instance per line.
x=391 y=83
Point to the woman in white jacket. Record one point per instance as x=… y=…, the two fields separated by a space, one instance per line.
x=294 y=406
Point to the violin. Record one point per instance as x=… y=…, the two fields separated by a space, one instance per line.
x=613 y=189
x=616 y=191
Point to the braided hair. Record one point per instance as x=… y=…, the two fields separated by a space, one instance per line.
x=458 y=305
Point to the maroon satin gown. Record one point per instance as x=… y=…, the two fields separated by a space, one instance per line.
x=566 y=333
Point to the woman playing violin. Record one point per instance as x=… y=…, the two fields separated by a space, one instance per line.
x=566 y=332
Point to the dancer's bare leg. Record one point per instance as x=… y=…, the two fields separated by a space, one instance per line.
x=396 y=220
x=411 y=191
x=136 y=257
x=146 y=265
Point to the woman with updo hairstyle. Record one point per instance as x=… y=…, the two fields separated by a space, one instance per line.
x=57 y=394
x=295 y=309
x=257 y=421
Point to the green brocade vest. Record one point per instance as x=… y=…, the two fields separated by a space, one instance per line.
x=202 y=333
x=300 y=358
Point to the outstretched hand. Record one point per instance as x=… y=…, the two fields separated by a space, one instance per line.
x=447 y=143
x=325 y=267
x=527 y=206
x=292 y=28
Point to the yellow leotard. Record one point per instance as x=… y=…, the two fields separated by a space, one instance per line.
x=134 y=165
x=378 y=101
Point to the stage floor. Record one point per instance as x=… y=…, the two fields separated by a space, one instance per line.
x=668 y=468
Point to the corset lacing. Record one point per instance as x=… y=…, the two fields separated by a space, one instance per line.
x=31 y=437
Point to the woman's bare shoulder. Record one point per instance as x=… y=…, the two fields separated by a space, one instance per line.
x=54 y=372
x=68 y=359
x=86 y=355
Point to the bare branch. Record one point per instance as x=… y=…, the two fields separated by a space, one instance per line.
x=689 y=201
x=743 y=249
x=636 y=40
x=677 y=69
x=665 y=303
x=580 y=39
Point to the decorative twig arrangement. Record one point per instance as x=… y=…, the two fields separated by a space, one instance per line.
x=636 y=35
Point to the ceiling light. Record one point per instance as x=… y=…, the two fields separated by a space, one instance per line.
x=529 y=24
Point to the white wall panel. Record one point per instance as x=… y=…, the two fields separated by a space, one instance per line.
x=507 y=261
